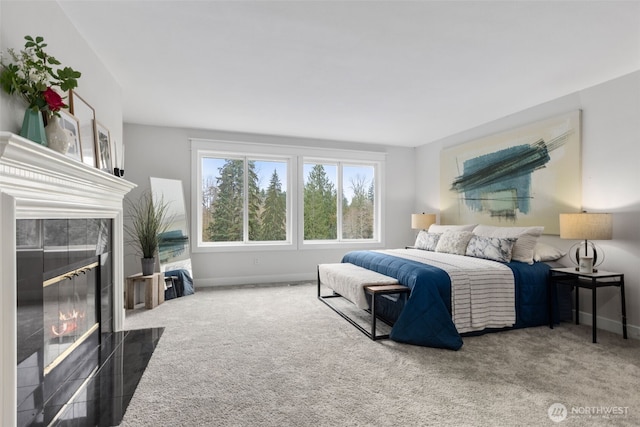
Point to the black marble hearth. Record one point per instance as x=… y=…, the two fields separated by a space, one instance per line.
x=99 y=390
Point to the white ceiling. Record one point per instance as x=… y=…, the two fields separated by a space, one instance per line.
x=390 y=72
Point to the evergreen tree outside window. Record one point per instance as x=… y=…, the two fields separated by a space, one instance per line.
x=273 y=217
x=263 y=197
x=229 y=215
x=320 y=202
x=227 y=207
x=358 y=201
x=324 y=219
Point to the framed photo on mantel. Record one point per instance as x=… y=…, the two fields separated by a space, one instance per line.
x=103 y=145
x=86 y=115
x=70 y=123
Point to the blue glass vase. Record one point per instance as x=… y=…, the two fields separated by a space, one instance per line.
x=33 y=127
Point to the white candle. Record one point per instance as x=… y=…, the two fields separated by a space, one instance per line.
x=116 y=160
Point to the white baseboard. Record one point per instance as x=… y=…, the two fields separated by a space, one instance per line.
x=246 y=280
x=610 y=325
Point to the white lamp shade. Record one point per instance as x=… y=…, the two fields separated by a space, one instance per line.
x=586 y=226
x=422 y=221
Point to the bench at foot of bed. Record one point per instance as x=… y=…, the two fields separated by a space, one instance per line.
x=355 y=284
x=374 y=291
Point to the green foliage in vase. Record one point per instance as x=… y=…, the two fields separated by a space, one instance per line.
x=32 y=76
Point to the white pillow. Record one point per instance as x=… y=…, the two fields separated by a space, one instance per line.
x=437 y=228
x=427 y=241
x=526 y=243
x=454 y=242
x=544 y=252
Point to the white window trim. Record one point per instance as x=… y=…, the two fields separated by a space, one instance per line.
x=298 y=155
x=378 y=166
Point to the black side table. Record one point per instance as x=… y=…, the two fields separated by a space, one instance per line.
x=591 y=281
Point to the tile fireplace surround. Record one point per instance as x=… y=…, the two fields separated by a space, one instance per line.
x=38 y=183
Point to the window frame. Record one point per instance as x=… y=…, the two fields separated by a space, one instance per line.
x=296 y=157
x=377 y=208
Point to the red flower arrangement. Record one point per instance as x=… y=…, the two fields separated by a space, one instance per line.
x=33 y=78
x=54 y=101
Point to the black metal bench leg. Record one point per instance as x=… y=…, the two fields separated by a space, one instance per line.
x=624 y=310
x=373 y=317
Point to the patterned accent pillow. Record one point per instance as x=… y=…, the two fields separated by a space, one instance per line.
x=454 y=242
x=527 y=239
x=493 y=248
x=427 y=241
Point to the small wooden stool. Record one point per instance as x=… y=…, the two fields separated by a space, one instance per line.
x=153 y=290
x=375 y=290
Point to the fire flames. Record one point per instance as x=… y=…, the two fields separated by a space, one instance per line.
x=69 y=322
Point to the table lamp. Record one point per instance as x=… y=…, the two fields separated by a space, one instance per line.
x=422 y=221
x=586 y=226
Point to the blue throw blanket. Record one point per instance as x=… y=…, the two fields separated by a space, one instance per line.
x=184 y=284
x=426 y=317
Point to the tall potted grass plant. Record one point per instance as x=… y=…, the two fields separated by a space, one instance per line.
x=148 y=220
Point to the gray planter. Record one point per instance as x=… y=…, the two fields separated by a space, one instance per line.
x=148 y=266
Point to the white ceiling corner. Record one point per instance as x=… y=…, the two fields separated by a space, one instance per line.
x=400 y=73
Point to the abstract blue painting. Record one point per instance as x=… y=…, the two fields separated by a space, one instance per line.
x=525 y=176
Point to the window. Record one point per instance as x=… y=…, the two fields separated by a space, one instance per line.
x=244 y=199
x=258 y=195
x=352 y=216
x=320 y=202
x=358 y=196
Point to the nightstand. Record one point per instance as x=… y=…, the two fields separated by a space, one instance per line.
x=591 y=281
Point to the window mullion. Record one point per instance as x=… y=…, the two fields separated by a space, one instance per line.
x=245 y=201
x=339 y=195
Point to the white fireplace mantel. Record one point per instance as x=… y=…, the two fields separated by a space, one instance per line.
x=39 y=183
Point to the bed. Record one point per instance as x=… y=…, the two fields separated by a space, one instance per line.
x=463 y=281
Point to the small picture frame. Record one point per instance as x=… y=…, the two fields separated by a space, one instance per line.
x=103 y=148
x=86 y=115
x=70 y=123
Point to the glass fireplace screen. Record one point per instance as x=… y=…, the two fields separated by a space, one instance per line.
x=70 y=312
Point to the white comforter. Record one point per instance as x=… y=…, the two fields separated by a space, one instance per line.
x=482 y=291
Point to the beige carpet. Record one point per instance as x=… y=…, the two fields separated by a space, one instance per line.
x=276 y=356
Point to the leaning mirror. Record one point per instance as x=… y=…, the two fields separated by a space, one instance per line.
x=174 y=249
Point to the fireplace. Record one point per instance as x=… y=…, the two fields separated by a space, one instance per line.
x=61 y=278
x=64 y=305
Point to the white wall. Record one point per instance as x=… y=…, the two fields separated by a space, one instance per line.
x=165 y=153
x=96 y=86
x=610 y=179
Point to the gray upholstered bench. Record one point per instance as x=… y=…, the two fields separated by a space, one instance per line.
x=358 y=285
